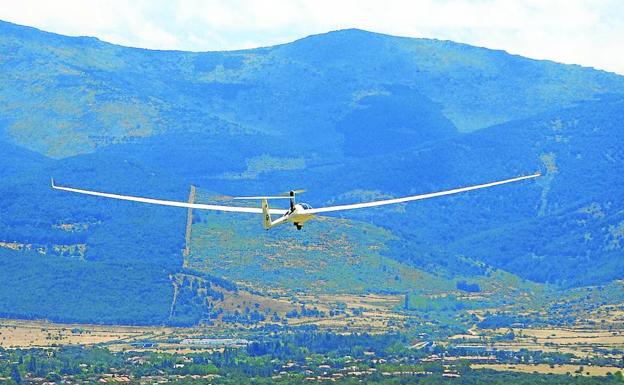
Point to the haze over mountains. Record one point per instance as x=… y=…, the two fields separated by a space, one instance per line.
x=350 y=115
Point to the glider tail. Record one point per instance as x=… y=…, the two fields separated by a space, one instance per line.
x=266 y=216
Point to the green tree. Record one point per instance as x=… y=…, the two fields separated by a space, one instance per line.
x=16 y=376
x=32 y=365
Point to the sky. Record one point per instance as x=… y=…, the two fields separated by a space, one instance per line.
x=586 y=32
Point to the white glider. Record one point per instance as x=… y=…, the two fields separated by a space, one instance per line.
x=299 y=213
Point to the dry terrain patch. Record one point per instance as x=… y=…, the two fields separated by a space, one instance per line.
x=579 y=341
x=18 y=333
x=547 y=369
x=374 y=313
x=29 y=334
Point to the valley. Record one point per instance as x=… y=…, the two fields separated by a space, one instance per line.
x=183 y=355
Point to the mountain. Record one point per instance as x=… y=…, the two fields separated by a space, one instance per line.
x=82 y=94
x=350 y=115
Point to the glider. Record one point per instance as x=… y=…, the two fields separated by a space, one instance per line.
x=298 y=213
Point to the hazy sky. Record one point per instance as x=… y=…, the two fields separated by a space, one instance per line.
x=586 y=32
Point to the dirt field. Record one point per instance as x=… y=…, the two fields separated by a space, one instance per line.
x=377 y=312
x=544 y=368
x=16 y=333
x=28 y=334
x=578 y=341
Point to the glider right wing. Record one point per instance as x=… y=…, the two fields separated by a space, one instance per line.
x=416 y=197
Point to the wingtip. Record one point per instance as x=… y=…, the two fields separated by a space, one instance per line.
x=52 y=183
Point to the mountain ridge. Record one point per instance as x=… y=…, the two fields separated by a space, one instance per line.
x=221 y=74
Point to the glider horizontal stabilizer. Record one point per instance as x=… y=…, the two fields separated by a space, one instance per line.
x=262 y=197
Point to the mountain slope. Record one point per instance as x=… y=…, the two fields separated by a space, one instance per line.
x=350 y=115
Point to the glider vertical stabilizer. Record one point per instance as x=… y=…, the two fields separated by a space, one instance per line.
x=266 y=215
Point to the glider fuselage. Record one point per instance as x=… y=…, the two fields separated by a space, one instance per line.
x=297 y=215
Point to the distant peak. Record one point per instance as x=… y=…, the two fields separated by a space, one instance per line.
x=352 y=32
x=344 y=36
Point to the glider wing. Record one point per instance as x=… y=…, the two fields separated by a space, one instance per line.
x=416 y=197
x=199 y=206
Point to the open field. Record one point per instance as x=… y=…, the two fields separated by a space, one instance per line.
x=579 y=341
x=32 y=334
x=17 y=333
x=376 y=302
x=576 y=336
x=364 y=313
x=547 y=369
x=360 y=312
x=373 y=313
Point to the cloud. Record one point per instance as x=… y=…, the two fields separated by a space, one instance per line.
x=575 y=31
